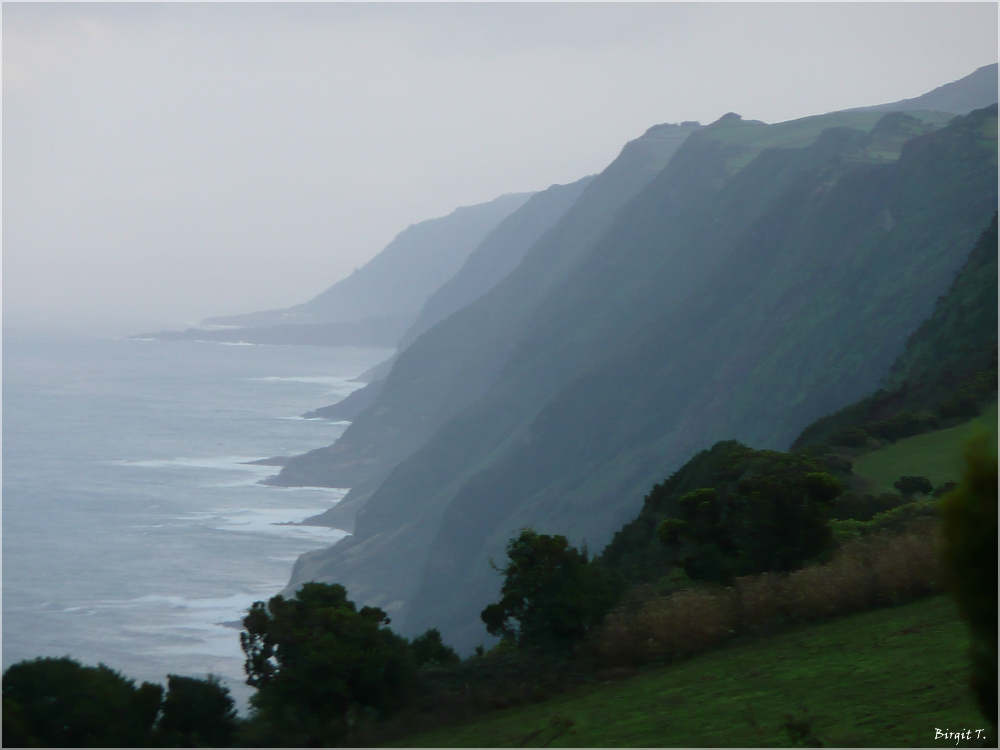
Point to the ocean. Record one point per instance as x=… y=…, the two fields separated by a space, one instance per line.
x=134 y=533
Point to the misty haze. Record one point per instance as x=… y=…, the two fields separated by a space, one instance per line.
x=500 y=374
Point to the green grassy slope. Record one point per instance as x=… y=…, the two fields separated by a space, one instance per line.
x=936 y=455
x=885 y=678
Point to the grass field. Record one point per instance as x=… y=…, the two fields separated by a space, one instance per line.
x=886 y=678
x=935 y=455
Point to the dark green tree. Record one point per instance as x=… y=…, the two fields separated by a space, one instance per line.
x=909 y=486
x=428 y=648
x=969 y=551
x=766 y=511
x=320 y=665
x=197 y=713
x=552 y=593
x=58 y=702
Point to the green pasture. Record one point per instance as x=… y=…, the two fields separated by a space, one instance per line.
x=885 y=678
x=935 y=455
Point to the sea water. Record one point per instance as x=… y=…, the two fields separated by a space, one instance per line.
x=134 y=532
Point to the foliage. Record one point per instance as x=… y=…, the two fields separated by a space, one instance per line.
x=197 y=713
x=969 y=525
x=428 y=648
x=910 y=485
x=58 y=702
x=851 y=505
x=895 y=519
x=552 y=593
x=729 y=511
x=320 y=665
x=765 y=511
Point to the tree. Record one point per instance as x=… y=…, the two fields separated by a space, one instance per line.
x=969 y=551
x=766 y=511
x=430 y=649
x=552 y=593
x=197 y=713
x=319 y=664
x=909 y=486
x=58 y=702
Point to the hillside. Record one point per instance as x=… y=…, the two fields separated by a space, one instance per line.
x=909 y=659
x=947 y=371
x=783 y=283
x=952 y=348
x=398 y=280
x=493 y=259
x=497 y=255
x=456 y=361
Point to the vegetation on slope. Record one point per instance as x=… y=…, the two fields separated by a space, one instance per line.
x=938 y=455
x=946 y=373
x=886 y=678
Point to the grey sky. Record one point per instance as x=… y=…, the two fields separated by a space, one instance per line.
x=164 y=163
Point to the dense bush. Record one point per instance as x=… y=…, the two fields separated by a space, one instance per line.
x=768 y=512
x=430 y=649
x=909 y=486
x=904 y=424
x=969 y=525
x=850 y=437
x=49 y=702
x=851 y=505
x=320 y=665
x=552 y=593
x=197 y=713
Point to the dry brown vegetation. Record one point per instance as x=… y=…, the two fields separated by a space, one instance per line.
x=864 y=573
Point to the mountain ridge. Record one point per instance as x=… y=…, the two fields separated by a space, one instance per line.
x=487 y=491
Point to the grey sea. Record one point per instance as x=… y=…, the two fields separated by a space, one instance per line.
x=134 y=532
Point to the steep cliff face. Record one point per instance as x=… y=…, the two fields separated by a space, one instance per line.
x=747 y=290
x=456 y=361
x=498 y=254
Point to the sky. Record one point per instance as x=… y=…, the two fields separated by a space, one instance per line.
x=163 y=163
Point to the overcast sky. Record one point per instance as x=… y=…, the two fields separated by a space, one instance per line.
x=165 y=163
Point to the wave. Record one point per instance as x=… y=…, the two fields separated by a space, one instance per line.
x=229 y=463
x=314 y=379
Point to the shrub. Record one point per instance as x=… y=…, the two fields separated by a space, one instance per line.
x=50 y=702
x=851 y=437
x=430 y=649
x=969 y=553
x=772 y=517
x=909 y=486
x=851 y=505
x=552 y=593
x=319 y=664
x=904 y=424
x=197 y=713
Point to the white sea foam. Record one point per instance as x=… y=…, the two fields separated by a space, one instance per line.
x=227 y=463
x=317 y=379
x=137 y=528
